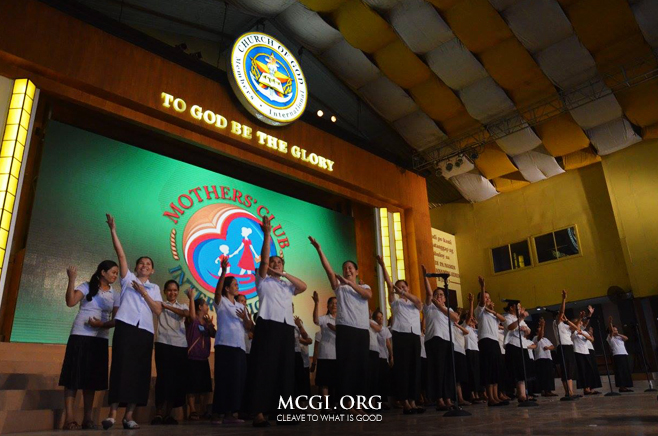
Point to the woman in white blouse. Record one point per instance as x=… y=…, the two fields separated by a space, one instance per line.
x=580 y=338
x=273 y=347
x=565 y=352
x=623 y=377
x=352 y=326
x=544 y=361
x=230 y=348
x=406 y=341
x=85 y=364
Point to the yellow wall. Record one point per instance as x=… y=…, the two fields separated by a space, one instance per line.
x=577 y=197
x=632 y=178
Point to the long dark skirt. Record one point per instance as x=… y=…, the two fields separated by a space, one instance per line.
x=325 y=373
x=440 y=383
x=623 y=375
x=514 y=362
x=585 y=370
x=596 y=376
x=423 y=377
x=406 y=371
x=571 y=371
x=170 y=365
x=461 y=366
x=384 y=379
x=273 y=365
x=230 y=379
x=85 y=363
x=373 y=373
x=490 y=361
x=545 y=374
x=302 y=379
x=473 y=361
x=130 y=376
x=352 y=346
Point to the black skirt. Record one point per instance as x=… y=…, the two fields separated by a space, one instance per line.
x=423 y=376
x=596 y=376
x=490 y=361
x=272 y=370
x=623 y=376
x=571 y=371
x=406 y=370
x=170 y=365
x=130 y=375
x=325 y=375
x=384 y=379
x=440 y=382
x=199 y=380
x=85 y=363
x=461 y=365
x=302 y=379
x=514 y=362
x=473 y=362
x=585 y=370
x=352 y=347
x=230 y=379
x=373 y=373
x=545 y=374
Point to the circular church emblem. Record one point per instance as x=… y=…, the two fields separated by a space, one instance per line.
x=267 y=79
x=221 y=231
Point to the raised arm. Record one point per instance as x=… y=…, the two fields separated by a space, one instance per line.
x=564 y=301
x=387 y=279
x=483 y=298
x=192 y=309
x=73 y=297
x=498 y=316
x=454 y=316
x=155 y=306
x=428 y=287
x=123 y=263
x=220 y=283
x=470 y=306
x=331 y=275
x=361 y=290
x=316 y=299
x=375 y=326
x=299 y=284
x=266 y=226
x=462 y=329
x=300 y=326
x=412 y=298
x=180 y=312
x=540 y=329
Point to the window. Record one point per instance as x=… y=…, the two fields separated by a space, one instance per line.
x=511 y=256
x=557 y=245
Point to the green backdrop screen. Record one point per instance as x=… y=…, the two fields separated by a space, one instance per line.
x=182 y=216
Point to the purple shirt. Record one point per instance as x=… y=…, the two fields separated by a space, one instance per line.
x=198 y=341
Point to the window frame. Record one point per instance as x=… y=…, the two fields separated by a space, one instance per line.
x=509 y=250
x=535 y=254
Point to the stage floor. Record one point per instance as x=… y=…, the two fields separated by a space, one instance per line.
x=631 y=414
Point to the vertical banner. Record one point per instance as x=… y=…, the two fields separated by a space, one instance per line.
x=445 y=259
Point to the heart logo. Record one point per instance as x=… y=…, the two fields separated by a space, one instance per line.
x=221 y=230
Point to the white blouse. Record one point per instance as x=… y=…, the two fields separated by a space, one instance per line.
x=171 y=327
x=579 y=343
x=617 y=346
x=230 y=327
x=275 y=298
x=540 y=353
x=564 y=331
x=133 y=309
x=100 y=307
x=406 y=316
x=383 y=335
x=436 y=323
x=352 y=307
x=328 y=346
x=487 y=324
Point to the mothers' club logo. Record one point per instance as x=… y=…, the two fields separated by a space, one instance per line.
x=267 y=79
x=216 y=231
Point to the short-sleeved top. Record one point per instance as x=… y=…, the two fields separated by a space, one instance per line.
x=458 y=339
x=526 y=344
x=198 y=341
x=501 y=341
x=318 y=344
x=617 y=346
x=133 y=309
x=275 y=299
x=471 y=342
x=374 y=343
x=590 y=346
x=100 y=307
x=230 y=327
x=540 y=353
x=579 y=343
x=328 y=347
x=406 y=316
x=487 y=324
x=171 y=327
x=423 y=353
x=352 y=307
x=512 y=336
x=562 y=329
x=383 y=335
x=436 y=322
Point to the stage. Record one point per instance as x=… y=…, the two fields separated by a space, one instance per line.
x=631 y=414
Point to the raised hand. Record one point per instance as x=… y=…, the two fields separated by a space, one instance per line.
x=582 y=314
x=314 y=243
x=470 y=297
x=481 y=281
x=564 y=294
x=380 y=261
x=72 y=272
x=266 y=226
x=190 y=293
x=342 y=280
x=315 y=297
x=591 y=310
x=224 y=263
x=208 y=319
x=241 y=313
x=424 y=270
x=110 y=221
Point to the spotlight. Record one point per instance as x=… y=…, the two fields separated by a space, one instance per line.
x=439 y=173
x=449 y=166
x=333 y=118
x=320 y=113
x=197 y=55
x=459 y=162
x=181 y=46
x=474 y=155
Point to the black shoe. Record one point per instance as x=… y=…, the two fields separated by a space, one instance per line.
x=420 y=410
x=170 y=420
x=157 y=420
x=504 y=403
x=408 y=411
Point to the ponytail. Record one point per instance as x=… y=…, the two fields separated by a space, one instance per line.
x=95 y=280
